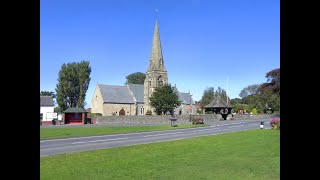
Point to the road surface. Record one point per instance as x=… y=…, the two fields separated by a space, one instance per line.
x=58 y=146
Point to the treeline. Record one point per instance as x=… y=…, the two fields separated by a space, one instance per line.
x=256 y=98
x=264 y=97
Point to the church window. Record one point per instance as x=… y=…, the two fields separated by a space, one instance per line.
x=160 y=81
x=149 y=83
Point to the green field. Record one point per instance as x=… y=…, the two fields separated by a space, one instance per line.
x=54 y=133
x=253 y=154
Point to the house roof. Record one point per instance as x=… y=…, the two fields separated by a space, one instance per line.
x=138 y=92
x=46 y=101
x=185 y=98
x=74 y=110
x=218 y=102
x=115 y=94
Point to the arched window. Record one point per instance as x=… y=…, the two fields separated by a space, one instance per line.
x=160 y=81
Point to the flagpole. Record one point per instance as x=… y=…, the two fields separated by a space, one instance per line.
x=227 y=90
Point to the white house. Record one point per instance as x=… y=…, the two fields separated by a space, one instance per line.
x=46 y=108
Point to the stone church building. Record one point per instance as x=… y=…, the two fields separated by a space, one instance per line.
x=133 y=99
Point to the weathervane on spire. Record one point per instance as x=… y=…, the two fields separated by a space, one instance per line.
x=156 y=14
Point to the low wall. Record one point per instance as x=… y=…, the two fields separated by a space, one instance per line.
x=164 y=119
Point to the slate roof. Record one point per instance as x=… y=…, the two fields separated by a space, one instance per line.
x=121 y=94
x=184 y=97
x=138 y=92
x=116 y=94
x=46 y=101
x=218 y=102
x=74 y=110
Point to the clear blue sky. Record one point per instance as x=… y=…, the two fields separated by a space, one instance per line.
x=203 y=41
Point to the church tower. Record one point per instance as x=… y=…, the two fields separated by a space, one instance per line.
x=156 y=74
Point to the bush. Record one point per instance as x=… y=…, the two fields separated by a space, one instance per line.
x=199 y=111
x=149 y=112
x=197 y=120
x=95 y=114
x=275 y=123
x=254 y=111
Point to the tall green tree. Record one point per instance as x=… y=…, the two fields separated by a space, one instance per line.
x=164 y=99
x=73 y=82
x=207 y=96
x=251 y=89
x=222 y=93
x=135 y=78
x=273 y=81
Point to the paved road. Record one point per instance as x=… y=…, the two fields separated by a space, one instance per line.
x=58 y=146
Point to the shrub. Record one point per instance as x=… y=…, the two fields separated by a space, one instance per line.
x=95 y=114
x=254 y=111
x=149 y=112
x=197 y=120
x=275 y=123
x=199 y=111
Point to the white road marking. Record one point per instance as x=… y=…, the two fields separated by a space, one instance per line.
x=205 y=130
x=107 y=135
x=161 y=134
x=235 y=126
x=98 y=141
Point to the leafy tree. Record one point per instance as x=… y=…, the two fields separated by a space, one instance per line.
x=57 y=109
x=273 y=82
x=251 y=89
x=236 y=101
x=164 y=99
x=135 y=78
x=207 y=96
x=48 y=93
x=222 y=93
x=73 y=82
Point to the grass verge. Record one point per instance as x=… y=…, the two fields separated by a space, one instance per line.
x=55 y=133
x=252 y=154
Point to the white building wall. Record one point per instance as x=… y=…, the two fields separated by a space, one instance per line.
x=44 y=111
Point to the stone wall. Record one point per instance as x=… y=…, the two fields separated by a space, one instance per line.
x=153 y=119
x=163 y=119
x=108 y=109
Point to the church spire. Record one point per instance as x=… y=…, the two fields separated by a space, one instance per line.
x=156 y=59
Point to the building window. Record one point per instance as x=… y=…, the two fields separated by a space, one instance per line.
x=160 y=81
x=41 y=116
x=142 y=110
x=149 y=83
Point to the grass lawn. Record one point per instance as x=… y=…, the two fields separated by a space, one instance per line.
x=253 y=154
x=54 y=133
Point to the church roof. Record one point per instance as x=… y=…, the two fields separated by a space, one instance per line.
x=138 y=92
x=116 y=94
x=46 y=101
x=218 y=102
